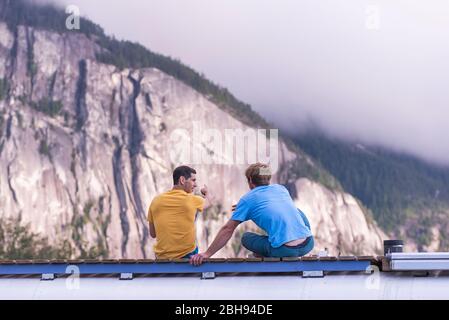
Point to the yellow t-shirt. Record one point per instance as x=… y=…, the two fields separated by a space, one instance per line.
x=173 y=215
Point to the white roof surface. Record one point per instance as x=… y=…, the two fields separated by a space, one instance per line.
x=286 y=287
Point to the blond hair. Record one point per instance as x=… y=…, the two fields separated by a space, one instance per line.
x=259 y=174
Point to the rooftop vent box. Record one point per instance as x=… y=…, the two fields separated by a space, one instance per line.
x=391 y=246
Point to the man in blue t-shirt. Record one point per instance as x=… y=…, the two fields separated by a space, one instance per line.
x=272 y=209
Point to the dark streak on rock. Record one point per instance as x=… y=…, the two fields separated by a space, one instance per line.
x=148 y=101
x=31 y=66
x=14 y=51
x=135 y=145
x=8 y=127
x=120 y=190
x=80 y=96
x=14 y=196
x=52 y=84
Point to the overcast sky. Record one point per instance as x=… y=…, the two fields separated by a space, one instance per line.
x=377 y=71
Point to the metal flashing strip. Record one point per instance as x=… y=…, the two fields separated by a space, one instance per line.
x=419 y=265
x=418 y=261
x=418 y=256
x=149 y=267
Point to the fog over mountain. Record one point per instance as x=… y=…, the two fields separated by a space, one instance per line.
x=376 y=71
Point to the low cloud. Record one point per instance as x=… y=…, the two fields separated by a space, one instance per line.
x=376 y=71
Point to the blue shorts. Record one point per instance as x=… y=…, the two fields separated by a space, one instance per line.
x=260 y=245
x=194 y=252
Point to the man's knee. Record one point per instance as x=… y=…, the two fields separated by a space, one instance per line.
x=246 y=239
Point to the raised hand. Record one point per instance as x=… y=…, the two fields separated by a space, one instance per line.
x=204 y=190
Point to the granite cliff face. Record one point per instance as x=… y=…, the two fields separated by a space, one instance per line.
x=84 y=147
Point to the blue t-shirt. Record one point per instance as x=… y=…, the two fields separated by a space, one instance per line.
x=273 y=210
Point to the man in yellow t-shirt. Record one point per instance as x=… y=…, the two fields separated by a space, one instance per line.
x=172 y=216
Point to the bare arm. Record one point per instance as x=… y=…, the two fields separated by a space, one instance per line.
x=222 y=237
x=152 y=231
x=219 y=242
x=208 y=198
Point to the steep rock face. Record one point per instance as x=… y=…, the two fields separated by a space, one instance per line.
x=84 y=147
x=338 y=221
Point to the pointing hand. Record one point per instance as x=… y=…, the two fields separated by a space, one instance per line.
x=204 y=190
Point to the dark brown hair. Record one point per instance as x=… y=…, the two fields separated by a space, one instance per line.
x=182 y=171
